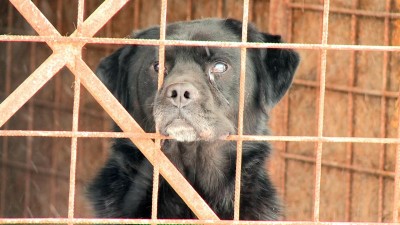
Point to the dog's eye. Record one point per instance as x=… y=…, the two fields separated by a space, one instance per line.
x=219 y=67
x=156 y=67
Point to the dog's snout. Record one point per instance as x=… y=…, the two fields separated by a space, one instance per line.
x=181 y=94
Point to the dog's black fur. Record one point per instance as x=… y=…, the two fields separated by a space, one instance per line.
x=198 y=106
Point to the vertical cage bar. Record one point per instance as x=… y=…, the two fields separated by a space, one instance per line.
x=81 y=12
x=75 y=121
x=350 y=117
x=382 y=151
x=318 y=164
x=161 y=72
x=242 y=80
x=74 y=143
x=56 y=119
x=9 y=62
x=29 y=139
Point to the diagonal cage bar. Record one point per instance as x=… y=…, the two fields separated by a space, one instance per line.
x=127 y=124
x=25 y=91
x=39 y=22
x=170 y=173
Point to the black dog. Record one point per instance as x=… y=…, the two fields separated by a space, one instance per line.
x=197 y=105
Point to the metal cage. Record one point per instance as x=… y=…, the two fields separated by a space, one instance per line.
x=71 y=52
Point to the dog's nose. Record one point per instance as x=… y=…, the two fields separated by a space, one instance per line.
x=181 y=94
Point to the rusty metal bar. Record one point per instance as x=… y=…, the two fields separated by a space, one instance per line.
x=161 y=72
x=30 y=86
x=134 y=135
x=321 y=105
x=169 y=221
x=56 y=114
x=41 y=75
x=105 y=98
x=128 y=124
x=91 y=25
x=242 y=80
x=29 y=145
x=74 y=145
x=75 y=119
x=289 y=156
x=45 y=28
x=301 y=82
x=357 y=12
x=35 y=18
x=320 y=139
x=156 y=42
x=81 y=12
x=29 y=140
x=98 y=18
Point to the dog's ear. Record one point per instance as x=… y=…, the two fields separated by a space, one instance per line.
x=113 y=72
x=275 y=68
x=279 y=66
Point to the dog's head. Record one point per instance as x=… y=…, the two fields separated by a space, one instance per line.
x=199 y=97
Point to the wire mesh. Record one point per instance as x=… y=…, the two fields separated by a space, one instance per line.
x=67 y=52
